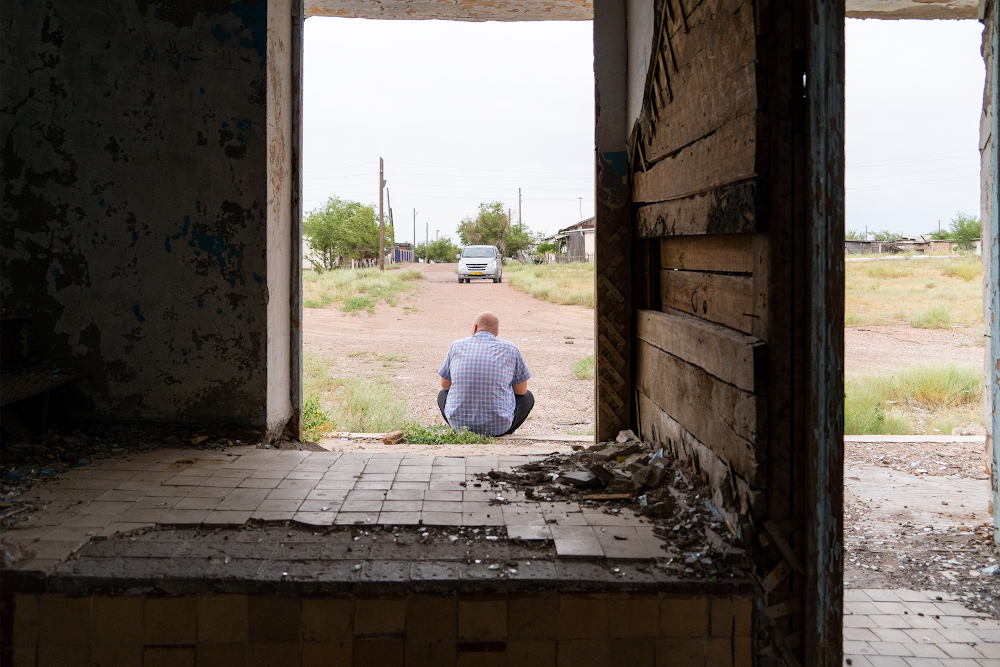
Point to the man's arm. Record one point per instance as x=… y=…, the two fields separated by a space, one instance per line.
x=446 y=384
x=520 y=388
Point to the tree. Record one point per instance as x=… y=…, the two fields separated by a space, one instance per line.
x=964 y=228
x=492 y=226
x=341 y=230
x=544 y=248
x=442 y=250
x=854 y=235
x=886 y=236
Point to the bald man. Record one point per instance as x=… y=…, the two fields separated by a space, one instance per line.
x=484 y=382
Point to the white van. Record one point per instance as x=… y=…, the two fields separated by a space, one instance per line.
x=480 y=262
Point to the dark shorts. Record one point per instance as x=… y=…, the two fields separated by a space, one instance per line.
x=522 y=408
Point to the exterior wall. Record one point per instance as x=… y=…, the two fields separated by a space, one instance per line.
x=990 y=245
x=531 y=628
x=136 y=202
x=279 y=213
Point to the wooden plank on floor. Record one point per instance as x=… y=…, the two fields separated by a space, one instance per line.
x=725 y=156
x=723 y=299
x=718 y=414
x=729 y=355
x=728 y=209
x=726 y=253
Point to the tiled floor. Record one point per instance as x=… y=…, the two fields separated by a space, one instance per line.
x=192 y=488
x=901 y=628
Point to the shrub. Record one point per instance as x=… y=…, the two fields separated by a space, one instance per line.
x=316 y=420
x=935 y=317
x=890 y=269
x=966 y=269
x=584 y=368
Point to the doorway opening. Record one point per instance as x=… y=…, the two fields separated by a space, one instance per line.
x=447 y=134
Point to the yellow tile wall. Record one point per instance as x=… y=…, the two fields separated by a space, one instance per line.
x=543 y=629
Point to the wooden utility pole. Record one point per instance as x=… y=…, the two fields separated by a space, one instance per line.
x=427 y=243
x=414 y=235
x=519 y=207
x=381 y=218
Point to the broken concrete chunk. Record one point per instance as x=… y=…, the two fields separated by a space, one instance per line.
x=612 y=453
x=662 y=508
x=392 y=438
x=625 y=436
x=581 y=480
x=606 y=475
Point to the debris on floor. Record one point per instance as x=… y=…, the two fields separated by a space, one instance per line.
x=630 y=474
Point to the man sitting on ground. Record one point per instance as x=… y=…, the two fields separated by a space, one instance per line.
x=485 y=382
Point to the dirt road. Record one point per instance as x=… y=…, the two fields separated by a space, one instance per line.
x=886 y=348
x=550 y=337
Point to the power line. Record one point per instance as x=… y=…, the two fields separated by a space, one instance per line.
x=915 y=158
x=892 y=185
x=910 y=173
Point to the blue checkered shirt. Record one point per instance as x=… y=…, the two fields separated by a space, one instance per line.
x=482 y=370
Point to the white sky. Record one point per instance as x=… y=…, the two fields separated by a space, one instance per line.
x=465 y=113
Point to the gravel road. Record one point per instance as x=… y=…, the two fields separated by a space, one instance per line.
x=551 y=338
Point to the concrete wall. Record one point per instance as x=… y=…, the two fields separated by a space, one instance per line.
x=990 y=193
x=279 y=213
x=136 y=201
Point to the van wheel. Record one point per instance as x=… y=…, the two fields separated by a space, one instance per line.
x=461 y=280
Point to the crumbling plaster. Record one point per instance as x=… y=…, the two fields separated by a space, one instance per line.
x=134 y=214
x=583 y=10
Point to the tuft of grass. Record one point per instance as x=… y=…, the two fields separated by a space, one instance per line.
x=352 y=303
x=442 y=435
x=353 y=404
x=964 y=269
x=935 y=317
x=584 y=368
x=356 y=289
x=316 y=420
x=884 y=270
x=897 y=291
x=917 y=399
x=567 y=284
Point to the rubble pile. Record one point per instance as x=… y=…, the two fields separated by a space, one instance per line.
x=632 y=474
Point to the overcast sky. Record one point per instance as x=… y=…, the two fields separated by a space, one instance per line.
x=465 y=113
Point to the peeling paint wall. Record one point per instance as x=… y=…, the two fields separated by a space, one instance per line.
x=135 y=202
x=279 y=213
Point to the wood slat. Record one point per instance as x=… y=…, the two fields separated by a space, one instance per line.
x=726 y=300
x=725 y=156
x=718 y=414
x=730 y=209
x=722 y=252
x=733 y=357
x=708 y=86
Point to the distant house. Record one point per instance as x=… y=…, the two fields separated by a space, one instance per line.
x=922 y=244
x=977 y=247
x=576 y=241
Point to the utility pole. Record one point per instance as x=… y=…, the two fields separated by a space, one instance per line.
x=581 y=208
x=414 y=234
x=388 y=202
x=519 y=207
x=381 y=218
x=427 y=243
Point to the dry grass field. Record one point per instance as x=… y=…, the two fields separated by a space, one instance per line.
x=929 y=293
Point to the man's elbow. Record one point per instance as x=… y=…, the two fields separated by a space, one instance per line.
x=521 y=388
x=445 y=384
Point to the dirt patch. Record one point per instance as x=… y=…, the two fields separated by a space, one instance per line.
x=887 y=348
x=407 y=343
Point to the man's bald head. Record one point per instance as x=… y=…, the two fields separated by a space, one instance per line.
x=487 y=321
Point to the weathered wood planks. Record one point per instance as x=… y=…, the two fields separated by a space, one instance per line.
x=725 y=418
x=723 y=299
x=720 y=253
x=729 y=209
x=731 y=356
x=703 y=88
x=725 y=156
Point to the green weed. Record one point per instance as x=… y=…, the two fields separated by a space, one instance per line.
x=965 y=269
x=584 y=368
x=914 y=399
x=316 y=420
x=358 y=303
x=935 y=317
x=356 y=289
x=443 y=435
x=883 y=270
